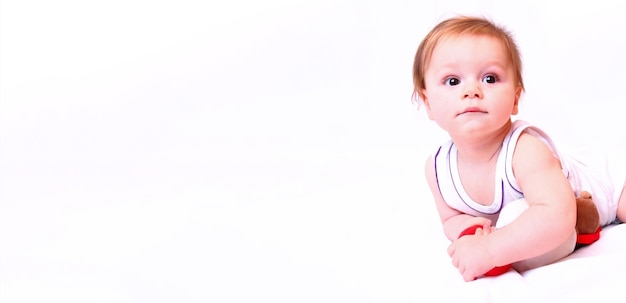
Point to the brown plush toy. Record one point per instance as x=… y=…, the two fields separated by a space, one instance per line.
x=587 y=219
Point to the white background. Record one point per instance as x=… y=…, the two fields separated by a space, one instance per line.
x=253 y=151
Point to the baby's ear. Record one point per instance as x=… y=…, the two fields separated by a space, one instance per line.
x=518 y=95
x=423 y=97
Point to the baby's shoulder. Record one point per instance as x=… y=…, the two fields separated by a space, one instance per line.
x=532 y=149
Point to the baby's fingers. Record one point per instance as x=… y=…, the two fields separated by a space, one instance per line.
x=468 y=276
x=451 y=249
x=479 y=232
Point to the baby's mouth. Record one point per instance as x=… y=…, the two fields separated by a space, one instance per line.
x=472 y=110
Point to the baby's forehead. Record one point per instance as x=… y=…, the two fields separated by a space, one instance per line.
x=468 y=50
x=459 y=42
x=466 y=38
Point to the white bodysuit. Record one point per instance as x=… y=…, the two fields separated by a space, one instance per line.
x=604 y=187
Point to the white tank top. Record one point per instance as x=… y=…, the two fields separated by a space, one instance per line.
x=505 y=185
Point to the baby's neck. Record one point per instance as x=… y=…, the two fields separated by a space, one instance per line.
x=481 y=155
x=481 y=150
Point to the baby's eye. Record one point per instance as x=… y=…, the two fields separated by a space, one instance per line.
x=452 y=81
x=490 y=79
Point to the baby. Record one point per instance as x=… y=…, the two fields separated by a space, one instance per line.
x=468 y=75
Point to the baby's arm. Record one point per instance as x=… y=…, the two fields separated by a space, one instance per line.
x=546 y=224
x=453 y=221
x=551 y=215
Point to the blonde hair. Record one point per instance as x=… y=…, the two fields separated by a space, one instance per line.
x=459 y=26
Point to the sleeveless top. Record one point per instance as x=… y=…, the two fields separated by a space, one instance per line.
x=505 y=185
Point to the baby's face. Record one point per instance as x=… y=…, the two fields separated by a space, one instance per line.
x=470 y=84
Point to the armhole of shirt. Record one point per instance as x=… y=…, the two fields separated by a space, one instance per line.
x=435 y=162
x=519 y=128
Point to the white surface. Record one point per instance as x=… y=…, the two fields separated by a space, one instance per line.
x=264 y=151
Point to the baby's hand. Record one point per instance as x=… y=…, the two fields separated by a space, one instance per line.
x=470 y=255
x=476 y=221
x=485 y=230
